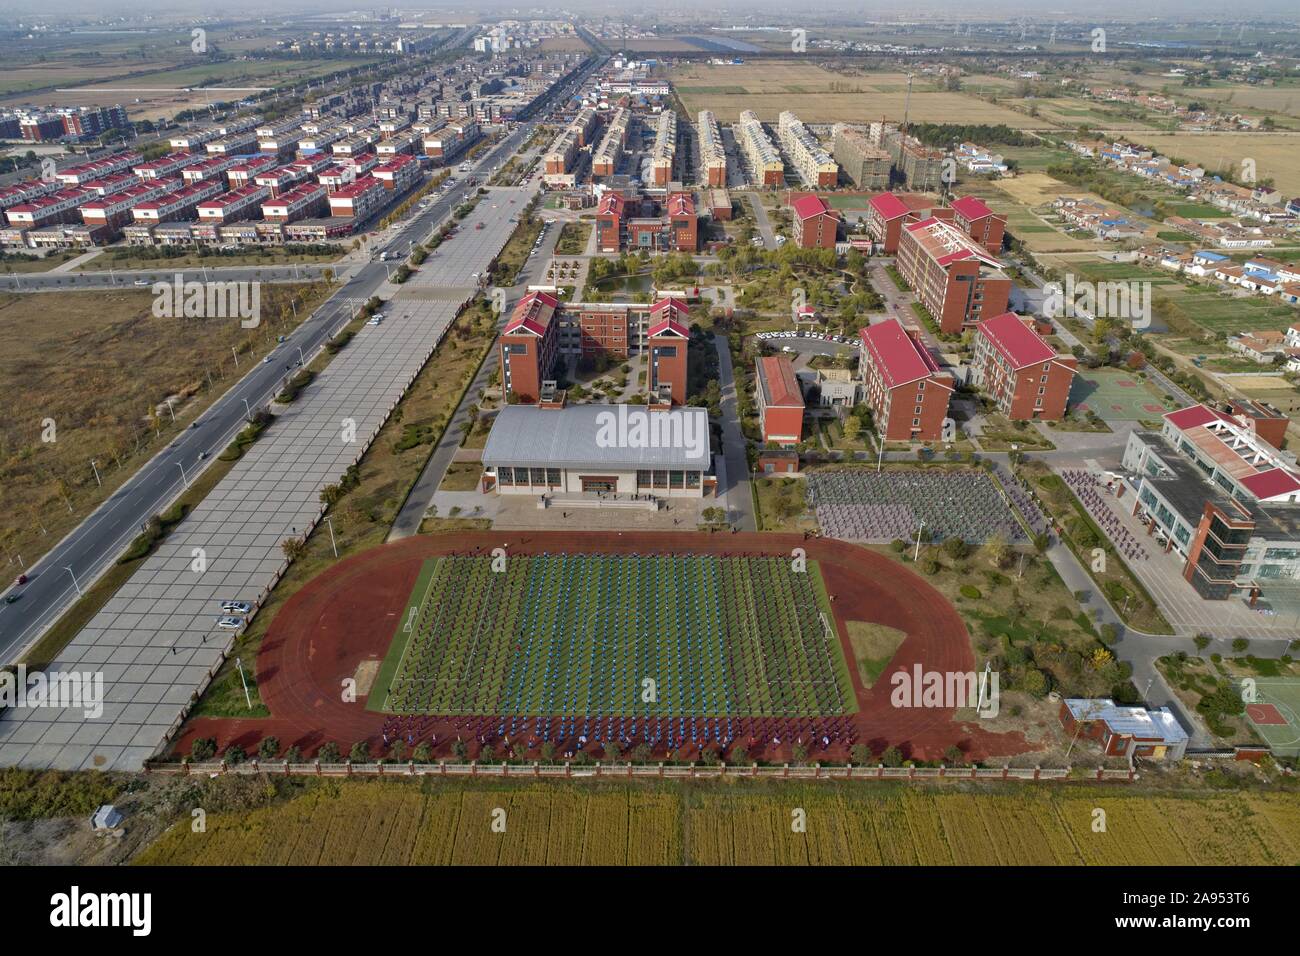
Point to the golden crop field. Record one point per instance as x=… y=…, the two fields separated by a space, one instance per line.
x=818 y=95
x=739 y=823
x=1274 y=153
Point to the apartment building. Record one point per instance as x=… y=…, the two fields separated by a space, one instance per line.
x=232 y=206
x=809 y=158
x=765 y=163
x=953 y=276
x=864 y=162
x=713 y=155
x=815 y=223
x=663 y=155
x=1023 y=375
x=973 y=216
x=303 y=202
x=358 y=199
x=667 y=341
x=919 y=166
x=887 y=213
x=609 y=153
x=902 y=383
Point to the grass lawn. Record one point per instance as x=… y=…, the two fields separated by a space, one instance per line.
x=873 y=646
x=461 y=476
x=782 y=504
x=573 y=238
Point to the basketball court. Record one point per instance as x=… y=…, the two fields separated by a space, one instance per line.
x=1275 y=713
x=1116 y=395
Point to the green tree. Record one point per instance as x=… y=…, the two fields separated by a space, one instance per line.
x=268 y=748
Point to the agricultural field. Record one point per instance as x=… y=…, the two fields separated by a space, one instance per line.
x=821 y=96
x=66 y=355
x=1274 y=153
x=576 y=635
x=737 y=824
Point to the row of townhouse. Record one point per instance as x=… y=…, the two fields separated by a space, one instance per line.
x=713 y=155
x=809 y=158
x=1260 y=275
x=605 y=161
x=663 y=154
x=765 y=163
x=215 y=190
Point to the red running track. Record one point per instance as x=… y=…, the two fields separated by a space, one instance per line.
x=348 y=614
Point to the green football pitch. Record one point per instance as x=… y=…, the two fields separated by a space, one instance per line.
x=625 y=635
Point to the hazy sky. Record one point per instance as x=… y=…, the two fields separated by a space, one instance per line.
x=1184 y=10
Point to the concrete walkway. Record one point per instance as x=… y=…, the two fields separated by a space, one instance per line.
x=736 y=491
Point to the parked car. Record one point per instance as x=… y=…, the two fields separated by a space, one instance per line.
x=236 y=607
x=229 y=623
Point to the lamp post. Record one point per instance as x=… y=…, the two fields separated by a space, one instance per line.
x=184 y=481
x=333 y=543
x=98 y=483
x=74 y=580
x=917 y=555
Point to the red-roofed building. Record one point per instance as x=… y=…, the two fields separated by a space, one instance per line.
x=301 y=202
x=399 y=174
x=815 y=223
x=528 y=346
x=667 y=340
x=47 y=210
x=164 y=167
x=178 y=203
x=1014 y=365
x=636 y=224
x=973 y=216
x=887 y=213
x=232 y=206
x=953 y=276
x=358 y=199
x=903 y=384
x=780 y=401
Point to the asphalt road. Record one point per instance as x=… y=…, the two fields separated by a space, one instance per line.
x=92 y=547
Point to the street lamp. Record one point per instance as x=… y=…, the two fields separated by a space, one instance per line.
x=184 y=481
x=98 y=483
x=333 y=543
x=917 y=555
x=74 y=580
x=248 y=409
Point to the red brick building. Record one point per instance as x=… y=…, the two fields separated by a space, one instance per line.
x=667 y=340
x=528 y=346
x=1014 y=365
x=780 y=401
x=902 y=383
x=887 y=213
x=634 y=224
x=953 y=276
x=972 y=216
x=815 y=223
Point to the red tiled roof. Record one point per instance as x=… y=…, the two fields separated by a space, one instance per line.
x=1271 y=484
x=971 y=207
x=781 y=385
x=805 y=207
x=900 y=358
x=1017 y=341
x=1194 y=415
x=888 y=205
x=532 y=314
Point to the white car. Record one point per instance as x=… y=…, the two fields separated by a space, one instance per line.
x=236 y=607
x=141 y=282
x=376 y=320
x=229 y=623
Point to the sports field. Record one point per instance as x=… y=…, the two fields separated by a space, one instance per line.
x=1116 y=395
x=615 y=635
x=1275 y=714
